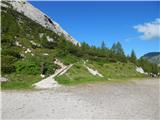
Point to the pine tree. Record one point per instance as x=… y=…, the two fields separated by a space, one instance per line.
x=118 y=53
x=117 y=48
x=133 y=57
x=103 y=45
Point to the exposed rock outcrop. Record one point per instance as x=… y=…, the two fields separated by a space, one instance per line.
x=36 y=15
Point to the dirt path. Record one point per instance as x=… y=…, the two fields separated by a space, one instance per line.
x=136 y=100
x=50 y=81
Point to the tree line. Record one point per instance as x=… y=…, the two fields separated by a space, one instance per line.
x=104 y=54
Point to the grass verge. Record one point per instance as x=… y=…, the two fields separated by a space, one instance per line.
x=19 y=81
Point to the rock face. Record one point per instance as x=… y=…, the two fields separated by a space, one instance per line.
x=36 y=15
x=140 y=70
x=93 y=72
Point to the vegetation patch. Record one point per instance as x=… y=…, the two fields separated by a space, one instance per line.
x=20 y=81
x=111 y=72
x=77 y=74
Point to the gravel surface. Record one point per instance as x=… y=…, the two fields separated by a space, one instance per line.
x=133 y=100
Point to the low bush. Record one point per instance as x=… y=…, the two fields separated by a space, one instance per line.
x=7 y=64
x=49 y=68
x=11 y=52
x=27 y=67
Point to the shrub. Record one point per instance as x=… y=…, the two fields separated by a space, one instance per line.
x=49 y=68
x=27 y=67
x=7 y=40
x=7 y=64
x=78 y=66
x=8 y=69
x=11 y=52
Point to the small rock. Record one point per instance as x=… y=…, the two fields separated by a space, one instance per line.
x=49 y=39
x=3 y=79
x=28 y=50
x=45 y=54
x=42 y=75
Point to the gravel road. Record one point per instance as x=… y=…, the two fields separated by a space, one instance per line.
x=133 y=100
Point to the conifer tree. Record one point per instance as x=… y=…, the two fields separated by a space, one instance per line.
x=103 y=45
x=133 y=57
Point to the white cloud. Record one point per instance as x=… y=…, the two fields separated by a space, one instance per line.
x=149 y=30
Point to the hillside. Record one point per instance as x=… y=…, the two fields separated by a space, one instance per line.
x=108 y=72
x=26 y=44
x=153 y=57
x=39 y=17
x=32 y=42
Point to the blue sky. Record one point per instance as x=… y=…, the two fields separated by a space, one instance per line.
x=134 y=24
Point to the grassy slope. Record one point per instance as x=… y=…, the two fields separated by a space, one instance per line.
x=18 y=81
x=116 y=70
x=111 y=72
x=77 y=74
x=27 y=30
x=16 y=24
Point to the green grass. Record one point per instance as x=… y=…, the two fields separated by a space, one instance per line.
x=112 y=72
x=68 y=59
x=116 y=70
x=77 y=74
x=20 y=81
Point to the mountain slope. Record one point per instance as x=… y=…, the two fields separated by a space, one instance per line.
x=25 y=40
x=153 y=57
x=28 y=48
x=39 y=17
x=30 y=44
